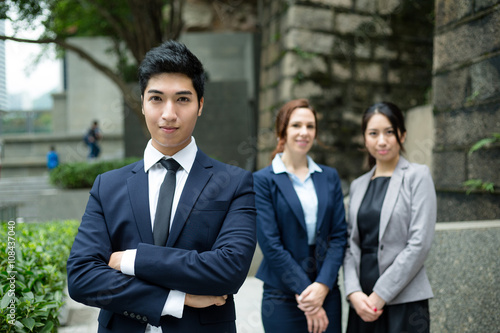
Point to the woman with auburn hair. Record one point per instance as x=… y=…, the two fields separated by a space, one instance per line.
x=392 y=215
x=301 y=230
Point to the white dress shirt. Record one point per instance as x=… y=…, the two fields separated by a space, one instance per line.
x=174 y=305
x=305 y=191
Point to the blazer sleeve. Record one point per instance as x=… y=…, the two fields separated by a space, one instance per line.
x=219 y=271
x=91 y=281
x=336 y=239
x=421 y=233
x=269 y=236
x=351 y=259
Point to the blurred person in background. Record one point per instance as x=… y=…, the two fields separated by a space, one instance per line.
x=92 y=138
x=52 y=158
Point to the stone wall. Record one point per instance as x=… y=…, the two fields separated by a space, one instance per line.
x=466 y=98
x=219 y=15
x=343 y=55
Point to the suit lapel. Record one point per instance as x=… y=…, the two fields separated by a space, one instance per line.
x=320 y=184
x=355 y=201
x=197 y=179
x=285 y=186
x=392 y=194
x=138 y=192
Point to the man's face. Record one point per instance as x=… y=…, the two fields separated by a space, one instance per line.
x=170 y=107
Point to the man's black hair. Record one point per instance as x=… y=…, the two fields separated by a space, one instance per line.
x=172 y=57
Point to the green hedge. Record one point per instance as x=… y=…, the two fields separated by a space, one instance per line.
x=37 y=252
x=82 y=174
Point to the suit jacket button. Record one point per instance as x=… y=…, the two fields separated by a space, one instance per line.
x=132 y=315
x=125 y=313
x=145 y=319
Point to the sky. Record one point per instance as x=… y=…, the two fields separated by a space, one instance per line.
x=22 y=75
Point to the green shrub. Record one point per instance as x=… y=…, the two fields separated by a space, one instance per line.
x=39 y=263
x=82 y=174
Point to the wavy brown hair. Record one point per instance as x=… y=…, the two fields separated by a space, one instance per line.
x=283 y=118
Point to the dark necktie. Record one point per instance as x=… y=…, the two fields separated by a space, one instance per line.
x=164 y=206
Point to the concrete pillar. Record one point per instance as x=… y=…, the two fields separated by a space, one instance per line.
x=59 y=113
x=420 y=135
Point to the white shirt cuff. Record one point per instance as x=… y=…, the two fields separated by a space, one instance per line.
x=174 y=306
x=128 y=262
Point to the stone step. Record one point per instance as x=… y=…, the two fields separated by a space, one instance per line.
x=21 y=194
x=27 y=180
x=24 y=193
x=23 y=197
x=25 y=184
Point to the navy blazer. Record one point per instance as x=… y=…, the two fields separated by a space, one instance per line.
x=208 y=252
x=282 y=235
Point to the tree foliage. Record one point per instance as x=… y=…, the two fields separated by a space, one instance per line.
x=134 y=26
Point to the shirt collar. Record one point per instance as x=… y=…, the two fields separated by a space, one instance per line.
x=279 y=167
x=185 y=157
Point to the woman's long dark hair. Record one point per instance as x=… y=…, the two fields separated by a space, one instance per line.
x=395 y=116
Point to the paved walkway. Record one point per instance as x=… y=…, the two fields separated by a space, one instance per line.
x=248 y=301
x=83 y=319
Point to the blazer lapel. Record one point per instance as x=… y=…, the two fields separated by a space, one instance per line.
x=138 y=192
x=320 y=184
x=355 y=201
x=285 y=186
x=198 y=178
x=392 y=194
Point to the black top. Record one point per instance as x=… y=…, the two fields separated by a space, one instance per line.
x=368 y=225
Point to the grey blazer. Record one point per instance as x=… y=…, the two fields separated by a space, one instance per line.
x=407 y=223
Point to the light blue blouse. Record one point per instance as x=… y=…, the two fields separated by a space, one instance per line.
x=306 y=192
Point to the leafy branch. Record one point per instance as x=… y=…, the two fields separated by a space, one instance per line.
x=133 y=27
x=485 y=142
x=304 y=54
x=478 y=184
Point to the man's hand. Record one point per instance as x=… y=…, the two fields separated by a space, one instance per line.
x=202 y=301
x=115 y=260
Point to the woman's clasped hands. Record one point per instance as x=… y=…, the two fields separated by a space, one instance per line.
x=369 y=308
x=311 y=302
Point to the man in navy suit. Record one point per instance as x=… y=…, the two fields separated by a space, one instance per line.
x=186 y=285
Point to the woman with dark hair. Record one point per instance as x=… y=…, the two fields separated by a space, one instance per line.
x=301 y=230
x=392 y=214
